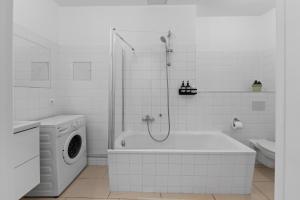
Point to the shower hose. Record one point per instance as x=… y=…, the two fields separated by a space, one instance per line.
x=168 y=110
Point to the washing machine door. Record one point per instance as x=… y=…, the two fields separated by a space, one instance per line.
x=73 y=148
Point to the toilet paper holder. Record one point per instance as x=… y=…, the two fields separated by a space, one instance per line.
x=236 y=123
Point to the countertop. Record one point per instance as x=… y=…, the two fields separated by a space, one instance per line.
x=20 y=126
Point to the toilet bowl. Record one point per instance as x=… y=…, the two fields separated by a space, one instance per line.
x=265 y=150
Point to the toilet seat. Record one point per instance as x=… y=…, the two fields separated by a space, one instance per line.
x=265 y=150
x=267 y=147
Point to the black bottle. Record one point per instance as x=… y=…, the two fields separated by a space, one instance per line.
x=182 y=87
x=188 y=87
x=182 y=84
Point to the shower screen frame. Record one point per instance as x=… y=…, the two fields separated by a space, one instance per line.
x=112 y=87
x=114 y=35
x=111 y=96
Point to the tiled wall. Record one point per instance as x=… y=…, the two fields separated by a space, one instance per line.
x=145 y=93
x=86 y=97
x=235 y=71
x=224 y=82
x=39 y=20
x=181 y=172
x=228 y=56
x=33 y=103
x=222 y=76
x=145 y=86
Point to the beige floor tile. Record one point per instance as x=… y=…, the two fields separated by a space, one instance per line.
x=263 y=174
x=135 y=199
x=267 y=188
x=88 y=188
x=93 y=172
x=255 y=195
x=42 y=198
x=141 y=198
x=259 y=165
x=187 y=196
x=133 y=195
x=93 y=184
x=82 y=199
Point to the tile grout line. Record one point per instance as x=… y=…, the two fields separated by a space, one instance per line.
x=263 y=181
x=261 y=192
x=214 y=197
x=108 y=195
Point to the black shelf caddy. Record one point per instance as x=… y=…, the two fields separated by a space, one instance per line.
x=187 y=92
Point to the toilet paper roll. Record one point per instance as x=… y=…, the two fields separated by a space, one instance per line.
x=237 y=125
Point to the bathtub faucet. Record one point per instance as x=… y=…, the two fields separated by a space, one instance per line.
x=148 y=119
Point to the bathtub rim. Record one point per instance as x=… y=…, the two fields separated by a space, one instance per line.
x=242 y=148
x=178 y=151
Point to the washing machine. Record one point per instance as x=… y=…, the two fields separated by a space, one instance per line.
x=63 y=153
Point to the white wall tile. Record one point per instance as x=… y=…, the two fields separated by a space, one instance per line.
x=181 y=177
x=205 y=111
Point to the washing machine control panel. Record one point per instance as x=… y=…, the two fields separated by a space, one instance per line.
x=71 y=126
x=77 y=124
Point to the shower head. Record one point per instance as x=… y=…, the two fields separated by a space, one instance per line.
x=166 y=41
x=163 y=39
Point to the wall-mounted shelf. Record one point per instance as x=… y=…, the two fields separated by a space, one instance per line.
x=231 y=92
x=187 y=92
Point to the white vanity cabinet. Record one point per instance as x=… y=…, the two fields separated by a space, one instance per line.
x=26 y=157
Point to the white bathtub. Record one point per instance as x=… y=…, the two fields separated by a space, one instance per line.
x=188 y=162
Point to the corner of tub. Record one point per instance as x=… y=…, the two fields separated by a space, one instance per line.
x=110 y=151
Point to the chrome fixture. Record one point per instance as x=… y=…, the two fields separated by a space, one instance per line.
x=123 y=40
x=169 y=50
x=123 y=143
x=163 y=39
x=149 y=119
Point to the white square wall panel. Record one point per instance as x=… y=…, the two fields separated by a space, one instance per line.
x=40 y=71
x=82 y=71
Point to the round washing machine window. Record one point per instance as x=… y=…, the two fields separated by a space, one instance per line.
x=73 y=148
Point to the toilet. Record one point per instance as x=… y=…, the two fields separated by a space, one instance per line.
x=265 y=150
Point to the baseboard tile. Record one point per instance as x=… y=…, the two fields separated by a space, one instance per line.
x=97 y=161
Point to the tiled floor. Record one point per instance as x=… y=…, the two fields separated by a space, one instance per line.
x=93 y=184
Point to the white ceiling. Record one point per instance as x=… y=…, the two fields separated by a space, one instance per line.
x=234 y=7
x=205 y=7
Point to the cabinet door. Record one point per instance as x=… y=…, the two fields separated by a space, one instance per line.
x=26 y=146
x=26 y=177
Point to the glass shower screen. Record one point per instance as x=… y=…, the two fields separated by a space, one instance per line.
x=138 y=84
